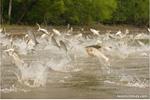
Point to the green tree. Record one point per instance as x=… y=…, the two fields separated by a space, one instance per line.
x=132 y=11
x=76 y=11
x=48 y=11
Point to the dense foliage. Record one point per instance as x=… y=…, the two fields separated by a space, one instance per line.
x=132 y=11
x=76 y=11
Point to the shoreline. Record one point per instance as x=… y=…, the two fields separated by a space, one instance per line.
x=21 y=29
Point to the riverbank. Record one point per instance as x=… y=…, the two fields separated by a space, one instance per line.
x=21 y=29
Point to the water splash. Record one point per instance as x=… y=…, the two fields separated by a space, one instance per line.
x=13 y=89
x=129 y=81
x=35 y=73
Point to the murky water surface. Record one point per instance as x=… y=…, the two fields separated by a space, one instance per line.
x=51 y=73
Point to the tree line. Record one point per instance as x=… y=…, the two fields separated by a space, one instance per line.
x=80 y=12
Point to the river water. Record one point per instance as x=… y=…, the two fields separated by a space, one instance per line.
x=52 y=74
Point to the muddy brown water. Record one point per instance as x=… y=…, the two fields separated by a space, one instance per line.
x=128 y=77
x=90 y=82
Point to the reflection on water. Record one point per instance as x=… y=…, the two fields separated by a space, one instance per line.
x=50 y=73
